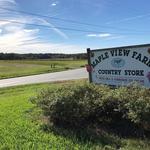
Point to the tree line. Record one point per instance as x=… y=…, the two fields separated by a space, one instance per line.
x=16 y=56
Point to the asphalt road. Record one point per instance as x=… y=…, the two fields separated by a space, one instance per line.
x=48 y=77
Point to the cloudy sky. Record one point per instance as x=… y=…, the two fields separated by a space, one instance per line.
x=71 y=26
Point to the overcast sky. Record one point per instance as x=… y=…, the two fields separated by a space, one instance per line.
x=72 y=25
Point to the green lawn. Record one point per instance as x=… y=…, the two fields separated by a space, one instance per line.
x=15 y=68
x=21 y=130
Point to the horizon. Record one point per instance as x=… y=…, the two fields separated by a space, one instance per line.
x=104 y=48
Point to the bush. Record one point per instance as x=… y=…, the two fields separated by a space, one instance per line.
x=72 y=105
x=86 y=104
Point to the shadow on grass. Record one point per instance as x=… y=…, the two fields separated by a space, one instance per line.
x=85 y=135
x=99 y=135
x=103 y=135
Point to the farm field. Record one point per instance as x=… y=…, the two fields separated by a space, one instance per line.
x=21 y=128
x=17 y=68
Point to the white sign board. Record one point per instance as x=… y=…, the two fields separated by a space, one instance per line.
x=120 y=66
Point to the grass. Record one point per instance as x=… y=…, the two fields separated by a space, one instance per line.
x=19 y=130
x=16 y=68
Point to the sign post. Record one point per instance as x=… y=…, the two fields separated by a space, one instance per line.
x=89 y=67
x=120 y=66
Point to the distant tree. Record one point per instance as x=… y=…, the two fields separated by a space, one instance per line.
x=15 y=56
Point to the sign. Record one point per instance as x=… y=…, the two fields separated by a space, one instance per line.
x=120 y=66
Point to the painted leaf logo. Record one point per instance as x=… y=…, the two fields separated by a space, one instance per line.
x=118 y=62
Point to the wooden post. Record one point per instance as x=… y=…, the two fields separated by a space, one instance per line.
x=89 y=63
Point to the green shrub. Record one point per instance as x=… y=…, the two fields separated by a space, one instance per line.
x=86 y=104
x=138 y=106
x=72 y=105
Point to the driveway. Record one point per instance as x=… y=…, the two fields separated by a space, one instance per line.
x=48 y=77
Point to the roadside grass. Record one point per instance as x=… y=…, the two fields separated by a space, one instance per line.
x=22 y=128
x=16 y=68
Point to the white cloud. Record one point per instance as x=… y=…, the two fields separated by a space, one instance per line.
x=106 y=36
x=7 y=4
x=45 y=47
x=102 y=35
x=53 y=4
x=35 y=46
x=2 y=23
x=115 y=37
x=18 y=38
x=92 y=35
x=22 y=40
x=8 y=1
x=25 y=19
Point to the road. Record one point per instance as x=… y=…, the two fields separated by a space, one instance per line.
x=48 y=77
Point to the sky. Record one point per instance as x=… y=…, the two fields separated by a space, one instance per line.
x=72 y=26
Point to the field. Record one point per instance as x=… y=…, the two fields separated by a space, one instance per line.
x=16 y=68
x=20 y=128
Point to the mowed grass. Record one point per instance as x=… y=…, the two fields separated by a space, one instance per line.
x=17 y=128
x=16 y=68
x=21 y=130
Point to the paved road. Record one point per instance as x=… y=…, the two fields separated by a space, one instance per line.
x=48 y=77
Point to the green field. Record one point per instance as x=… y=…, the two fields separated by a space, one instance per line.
x=22 y=129
x=16 y=68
